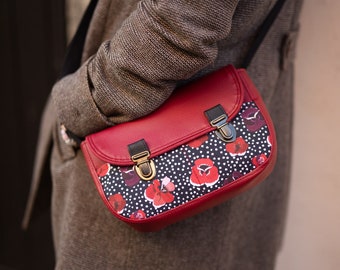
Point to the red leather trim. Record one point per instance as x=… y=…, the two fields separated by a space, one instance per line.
x=179 y=120
x=212 y=199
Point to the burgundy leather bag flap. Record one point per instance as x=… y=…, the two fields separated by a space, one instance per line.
x=179 y=120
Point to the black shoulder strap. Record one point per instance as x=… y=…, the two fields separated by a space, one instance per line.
x=264 y=29
x=75 y=49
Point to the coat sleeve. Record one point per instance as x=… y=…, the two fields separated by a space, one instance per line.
x=159 y=44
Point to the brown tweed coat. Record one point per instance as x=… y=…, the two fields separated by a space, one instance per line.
x=135 y=54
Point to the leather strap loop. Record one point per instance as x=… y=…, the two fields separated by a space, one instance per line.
x=215 y=112
x=138 y=147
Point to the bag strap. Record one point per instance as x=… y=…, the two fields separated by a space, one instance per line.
x=264 y=29
x=75 y=49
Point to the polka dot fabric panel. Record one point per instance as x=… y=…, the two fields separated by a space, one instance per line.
x=189 y=171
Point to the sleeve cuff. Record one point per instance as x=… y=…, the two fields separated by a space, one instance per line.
x=75 y=106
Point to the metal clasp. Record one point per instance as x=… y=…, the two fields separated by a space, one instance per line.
x=225 y=131
x=144 y=167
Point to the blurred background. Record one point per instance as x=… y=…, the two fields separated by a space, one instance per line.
x=34 y=36
x=32 y=47
x=312 y=239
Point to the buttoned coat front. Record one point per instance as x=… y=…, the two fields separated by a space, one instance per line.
x=135 y=54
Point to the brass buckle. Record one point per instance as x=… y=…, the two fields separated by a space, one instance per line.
x=144 y=167
x=225 y=131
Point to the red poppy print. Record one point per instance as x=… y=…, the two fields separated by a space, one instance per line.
x=139 y=214
x=129 y=176
x=198 y=142
x=160 y=192
x=103 y=170
x=204 y=172
x=117 y=202
x=238 y=147
x=259 y=160
x=253 y=119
